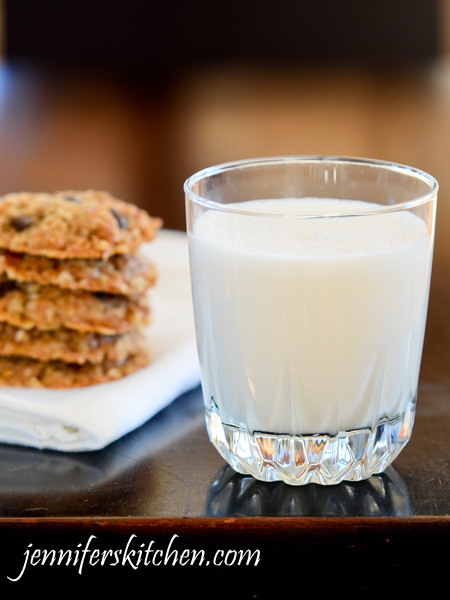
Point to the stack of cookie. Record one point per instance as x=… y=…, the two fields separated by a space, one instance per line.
x=73 y=288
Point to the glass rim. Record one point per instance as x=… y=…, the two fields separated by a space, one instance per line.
x=314 y=159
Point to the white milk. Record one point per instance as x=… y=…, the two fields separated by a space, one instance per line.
x=309 y=325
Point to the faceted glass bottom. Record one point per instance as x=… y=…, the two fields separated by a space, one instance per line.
x=299 y=459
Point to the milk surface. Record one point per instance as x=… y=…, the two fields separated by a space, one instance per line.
x=309 y=325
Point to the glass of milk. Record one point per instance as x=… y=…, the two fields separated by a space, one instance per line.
x=310 y=280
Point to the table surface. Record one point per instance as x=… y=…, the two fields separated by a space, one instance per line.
x=168 y=469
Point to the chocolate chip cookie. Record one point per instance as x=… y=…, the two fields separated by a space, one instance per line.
x=125 y=274
x=26 y=372
x=69 y=224
x=49 y=307
x=68 y=345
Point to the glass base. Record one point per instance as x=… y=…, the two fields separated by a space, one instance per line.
x=299 y=459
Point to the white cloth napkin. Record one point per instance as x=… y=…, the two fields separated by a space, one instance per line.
x=89 y=418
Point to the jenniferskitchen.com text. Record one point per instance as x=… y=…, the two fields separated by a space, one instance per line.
x=135 y=555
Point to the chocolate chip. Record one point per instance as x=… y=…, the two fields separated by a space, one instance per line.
x=102 y=295
x=6 y=286
x=123 y=221
x=21 y=222
x=72 y=199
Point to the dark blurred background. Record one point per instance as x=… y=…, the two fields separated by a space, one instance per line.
x=134 y=96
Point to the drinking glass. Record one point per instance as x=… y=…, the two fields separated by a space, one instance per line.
x=310 y=281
